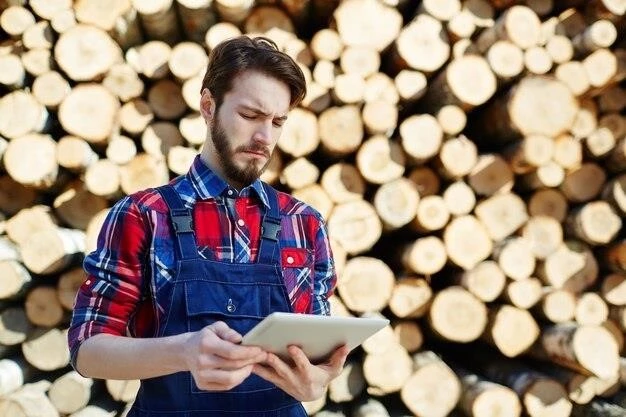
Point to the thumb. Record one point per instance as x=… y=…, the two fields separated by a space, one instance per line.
x=338 y=358
x=224 y=332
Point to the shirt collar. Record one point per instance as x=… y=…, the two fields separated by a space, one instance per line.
x=208 y=184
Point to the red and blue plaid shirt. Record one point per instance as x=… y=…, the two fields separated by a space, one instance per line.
x=134 y=263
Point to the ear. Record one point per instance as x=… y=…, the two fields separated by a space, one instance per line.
x=207 y=106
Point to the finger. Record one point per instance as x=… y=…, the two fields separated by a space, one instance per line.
x=338 y=358
x=225 y=378
x=222 y=330
x=299 y=358
x=228 y=364
x=280 y=367
x=267 y=374
x=229 y=350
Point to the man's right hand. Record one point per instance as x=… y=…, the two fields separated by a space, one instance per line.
x=215 y=359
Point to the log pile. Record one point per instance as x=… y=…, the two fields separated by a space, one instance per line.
x=469 y=157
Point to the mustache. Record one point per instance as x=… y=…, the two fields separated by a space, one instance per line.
x=254 y=148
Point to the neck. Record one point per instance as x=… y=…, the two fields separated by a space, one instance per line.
x=209 y=157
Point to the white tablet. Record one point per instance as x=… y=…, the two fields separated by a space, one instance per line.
x=317 y=335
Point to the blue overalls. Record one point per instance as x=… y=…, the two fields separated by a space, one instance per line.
x=205 y=291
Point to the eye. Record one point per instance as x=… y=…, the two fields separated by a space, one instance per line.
x=247 y=116
x=278 y=123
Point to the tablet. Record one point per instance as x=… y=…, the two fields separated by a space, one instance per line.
x=317 y=335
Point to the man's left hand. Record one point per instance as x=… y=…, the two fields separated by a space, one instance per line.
x=302 y=380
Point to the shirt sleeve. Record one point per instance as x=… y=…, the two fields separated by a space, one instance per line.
x=325 y=277
x=112 y=289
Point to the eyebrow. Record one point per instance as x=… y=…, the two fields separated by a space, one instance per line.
x=261 y=112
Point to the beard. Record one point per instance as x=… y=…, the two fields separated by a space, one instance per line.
x=226 y=156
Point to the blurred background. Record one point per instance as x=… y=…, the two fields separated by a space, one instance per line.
x=469 y=158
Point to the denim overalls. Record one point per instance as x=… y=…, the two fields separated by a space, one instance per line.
x=205 y=291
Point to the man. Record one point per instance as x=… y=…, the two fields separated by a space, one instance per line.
x=183 y=270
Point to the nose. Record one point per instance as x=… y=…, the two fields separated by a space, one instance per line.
x=263 y=133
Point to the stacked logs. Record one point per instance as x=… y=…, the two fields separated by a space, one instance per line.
x=469 y=158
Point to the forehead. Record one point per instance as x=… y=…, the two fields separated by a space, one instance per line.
x=255 y=89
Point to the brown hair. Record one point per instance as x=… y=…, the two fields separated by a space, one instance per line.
x=234 y=56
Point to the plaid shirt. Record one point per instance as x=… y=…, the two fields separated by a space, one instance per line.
x=130 y=273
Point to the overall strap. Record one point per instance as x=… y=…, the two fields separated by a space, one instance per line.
x=270 y=230
x=182 y=222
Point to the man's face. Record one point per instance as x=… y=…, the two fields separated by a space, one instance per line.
x=247 y=125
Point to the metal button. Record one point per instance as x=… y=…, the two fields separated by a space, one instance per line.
x=289 y=260
x=240 y=222
x=230 y=192
x=87 y=282
x=230 y=307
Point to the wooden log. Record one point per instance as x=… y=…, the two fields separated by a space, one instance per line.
x=268 y=19
x=317 y=98
x=432 y=214
x=158 y=19
x=518 y=24
x=574 y=76
x=411 y=85
x=549 y=175
x=135 y=116
x=38 y=36
x=409 y=335
x=14 y=326
x=511 y=329
x=142 y=172
x=299 y=173
x=491 y=175
x=379 y=87
x=349 y=89
x=12 y=73
x=505 y=59
x=427 y=129
x=543 y=234
x=380 y=160
x=604 y=68
x=166 y=100
x=583 y=184
x=591 y=310
x=381 y=341
x=159 y=138
x=599 y=408
x=548 y=202
x=556 y=306
x=124 y=82
x=433 y=389
x=125 y=391
x=76 y=205
x=481 y=397
x=359 y=60
x=324 y=73
x=151 y=59
x=425 y=256
x=70 y=392
x=50 y=89
x=37 y=61
x=485 y=281
x=568 y=152
x=79 y=116
x=28 y=221
x=343 y=183
x=467 y=82
x=299 y=136
x=502 y=215
x=456 y=158
x=341 y=129
x=410 y=297
x=459 y=198
x=540 y=395
x=97 y=52
x=317 y=197
x=46 y=349
x=581 y=388
x=599 y=34
x=388 y=371
x=396 y=203
x=456 y=315
x=572 y=266
x=102 y=178
x=369 y=408
x=118 y=18
x=595 y=223
x=196 y=17
x=515 y=258
x=13 y=373
x=63 y=20
x=8 y=252
x=193 y=128
x=517 y=113
x=366 y=284
x=47 y=9
x=29 y=401
x=467 y=241
x=42 y=307
x=616 y=161
x=427 y=181
x=348 y=385
x=422 y=45
x=121 y=150
x=612 y=99
x=219 y=32
x=380 y=117
x=529 y=153
x=30 y=160
x=187 y=60
x=462 y=25
x=586 y=349
x=452 y=120
x=51 y=250
x=15 y=20
x=524 y=293
x=560 y=49
x=95 y=225
x=68 y=285
x=537 y=60
x=20 y=114
x=326 y=44
x=377 y=27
